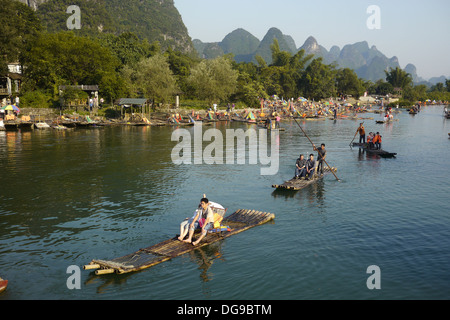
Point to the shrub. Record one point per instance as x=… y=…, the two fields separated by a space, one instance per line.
x=36 y=99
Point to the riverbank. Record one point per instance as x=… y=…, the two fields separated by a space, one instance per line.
x=281 y=109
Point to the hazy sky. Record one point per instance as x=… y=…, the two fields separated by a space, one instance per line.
x=416 y=31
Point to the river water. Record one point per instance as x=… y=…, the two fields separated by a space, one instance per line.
x=67 y=197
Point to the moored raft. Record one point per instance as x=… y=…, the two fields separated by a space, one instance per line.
x=271 y=129
x=298 y=184
x=385 y=121
x=237 y=222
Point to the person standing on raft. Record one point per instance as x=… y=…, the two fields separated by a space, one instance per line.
x=362 y=133
x=321 y=154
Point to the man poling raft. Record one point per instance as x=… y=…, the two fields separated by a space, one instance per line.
x=305 y=173
x=362 y=134
x=314 y=147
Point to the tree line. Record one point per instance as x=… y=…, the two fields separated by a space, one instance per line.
x=126 y=66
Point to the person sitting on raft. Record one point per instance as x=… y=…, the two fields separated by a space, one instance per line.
x=310 y=167
x=370 y=138
x=300 y=167
x=203 y=218
x=185 y=225
x=377 y=141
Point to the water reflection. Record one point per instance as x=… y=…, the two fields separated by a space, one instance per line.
x=205 y=258
x=106 y=281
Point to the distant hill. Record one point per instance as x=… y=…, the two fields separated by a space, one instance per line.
x=239 y=42
x=368 y=62
x=154 y=20
x=285 y=42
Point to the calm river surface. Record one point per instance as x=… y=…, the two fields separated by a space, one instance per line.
x=67 y=197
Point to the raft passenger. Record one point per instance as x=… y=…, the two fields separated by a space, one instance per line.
x=204 y=219
x=310 y=167
x=370 y=140
x=377 y=141
x=300 y=167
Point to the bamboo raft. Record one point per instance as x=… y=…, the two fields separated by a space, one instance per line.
x=298 y=184
x=237 y=222
x=380 y=152
x=271 y=129
x=385 y=121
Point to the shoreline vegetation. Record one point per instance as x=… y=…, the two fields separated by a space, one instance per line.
x=300 y=108
x=54 y=67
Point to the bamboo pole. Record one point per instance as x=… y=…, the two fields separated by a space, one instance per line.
x=104 y=271
x=91 y=266
x=314 y=146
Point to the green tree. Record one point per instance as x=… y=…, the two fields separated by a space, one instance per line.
x=65 y=59
x=398 y=78
x=283 y=76
x=439 y=87
x=382 y=88
x=348 y=83
x=19 y=27
x=249 y=91
x=318 y=80
x=416 y=93
x=128 y=48
x=213 y=80
x=297 y=65
x=180 y=64
x=279 y=58
x=270 y=80
x=151 y=78
x=260 y=60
